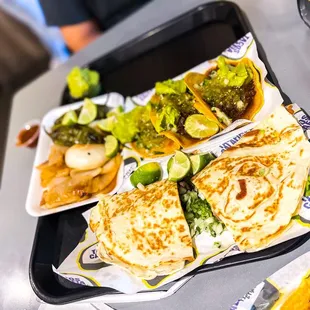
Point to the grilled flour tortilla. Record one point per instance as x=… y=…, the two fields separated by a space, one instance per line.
x=143 y=231
x=256 y=186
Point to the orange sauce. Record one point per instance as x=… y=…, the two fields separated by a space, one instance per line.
x=243 y=189
x=27 y=134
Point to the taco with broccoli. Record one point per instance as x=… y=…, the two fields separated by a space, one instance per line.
x=178 y=115
x=136 y=129
x=229 y=91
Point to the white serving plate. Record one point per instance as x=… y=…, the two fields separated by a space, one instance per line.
x=35 y=190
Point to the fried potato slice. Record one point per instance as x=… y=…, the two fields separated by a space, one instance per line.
x=80 y=185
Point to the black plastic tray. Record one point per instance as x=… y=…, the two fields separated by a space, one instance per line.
x=169 y=50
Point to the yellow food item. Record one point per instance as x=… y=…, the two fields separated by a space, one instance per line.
x=64 y=185
x=55 y=166
x=299 y=299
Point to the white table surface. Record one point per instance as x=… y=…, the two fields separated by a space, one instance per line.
x=286 y=41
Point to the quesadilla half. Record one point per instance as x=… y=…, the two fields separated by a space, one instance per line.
x=256 y=186
x=143 y=231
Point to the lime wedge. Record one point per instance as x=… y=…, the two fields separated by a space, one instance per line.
x=146 y=174
x=111 y=146
x=115 y=111
x=88 y=113
x=200 y=161
x=180 y=167
x=106 y=124
x=169 y=164
x=198 y=126
x=69 y=118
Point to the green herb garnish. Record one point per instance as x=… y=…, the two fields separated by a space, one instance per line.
x=170 y=87
x=198 y=214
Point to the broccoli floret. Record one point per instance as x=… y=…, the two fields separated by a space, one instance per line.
x=83 y=82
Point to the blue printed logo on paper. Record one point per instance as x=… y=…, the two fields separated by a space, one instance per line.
x=131 y=164
x=306 y=202
x=241 y=300
x=93 y=254
x=226 y=145
x=140 y=99
x=89 y=260
x=75 y=280
x=303 y=120
x=79 y=279
x=239 y=48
